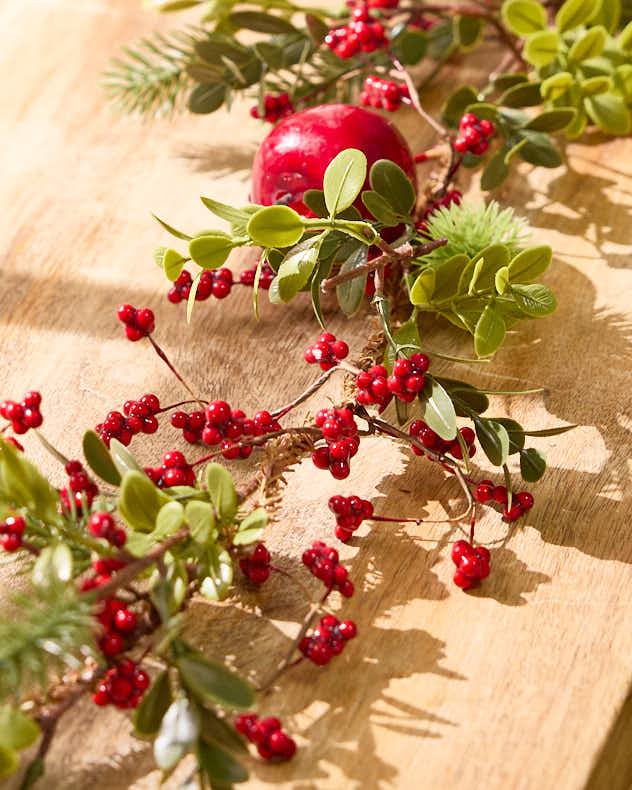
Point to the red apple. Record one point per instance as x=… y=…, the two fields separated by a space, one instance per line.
x=295 y=155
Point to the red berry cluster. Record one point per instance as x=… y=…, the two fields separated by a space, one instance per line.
x=322 y=561
x=24 y=415
x=247 y=277
x=116 y=619
x=79 y=486
x=274 y=108
x=486 y=491
x=350 y=512
x=215 y=283
x=472 y=564
x=138 y=323
x=363 y=34
x=174 y=471
x=123 y=685
x=373 y=387
x=328 y=640
x=225 y=426
x=432 y=441
x=256 y=566
x=138 y=417
x=102 y=525
x=407 y=379
x=191 y=424
x=341 y=434
x=474 y=135
x=268 y=736
x=383 y=94
x=327 y=351
x=11 y=531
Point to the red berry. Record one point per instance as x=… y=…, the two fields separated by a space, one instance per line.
x=483 y=493
x=460 y=549
x=525 y=500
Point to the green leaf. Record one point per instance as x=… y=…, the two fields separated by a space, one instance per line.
x=296 y=269
x=410 y=46
x=314 y=199
x=220 y=574
x=173 y=264
x=523 y=17
x=317 y=28
x=438 y=409
x=541 y=48
x=552 y=120
x=538 y=150
x=532 y=465
x=155 y=703
x=207 y=97
x=218 y=765
x=501 y=279
x=53 y=568
x=123 y=460
x=216 y=731
x=590 y=45
x=514 y=432
x=23 y=485
x=9 y=761
x=493 y=438
x=251 y=528
x=344 y=177
x=624 y=39
x=380 y=208
x=484 y=111
x=486 y=264
x=530 y=264
x=556 y=86
x=140 y=501
x=423 y=288
x=594 y=85
x=34 y=771
x=351 y=294
x=236 y=216
x=177 y=233
x=17 y=730
x=447 y=275
x=390 y=181
x=406 y=335
x=261 y=23
x=221 y=491
x=212 y=683
x=508 y=80
x=200 y=516
x=490 y=332
x=551 y=431
x=457 y=104
x=609 y=112
x=99 y=459
x=276 y=226
x=467 y=31
x=465 y=397
x=496 y=171
x=169 y=520
x=271 y=54
x=608 y=15
x=210 y=252
x=535 y=300
x=574 y=13
x=525 y=94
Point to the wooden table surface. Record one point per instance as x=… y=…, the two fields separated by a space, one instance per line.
x=521 y=684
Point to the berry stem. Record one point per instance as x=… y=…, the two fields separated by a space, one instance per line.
x=287 y=661
x=181 y=403
x=416 y=101
x=257 y=440
x=52 y=450
x=283 y=410
x=165 y=359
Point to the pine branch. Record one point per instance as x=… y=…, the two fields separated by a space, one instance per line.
x=43 y=635
x=153 y=79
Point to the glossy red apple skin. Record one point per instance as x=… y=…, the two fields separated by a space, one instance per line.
x=295 y=155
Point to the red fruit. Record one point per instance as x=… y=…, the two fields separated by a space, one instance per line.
x=512 y=513
x=525 y=500
x=462 y=581
x=470 y=566
x=500 y=495
x=295 y=155
x=460 y=549
x=483 y=492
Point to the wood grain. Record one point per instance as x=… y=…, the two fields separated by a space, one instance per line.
x=516 y=685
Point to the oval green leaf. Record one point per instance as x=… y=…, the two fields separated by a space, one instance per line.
x=155 y=703
x=438 y=409
x=390 y=181
x=541 y=48
x=276 y=226
x=535 y=300
x=207 y=97
x=523 y=17
x=575 y=13
x=140 y=501
x=529 y=264
x=590 y=45
x=490 y=332
x=99 y=459
x=212 y=682
x=343 y=180
x=221 y=490
x=221 y=769
x=210 y=252
x=532 y=465
x=493 y=438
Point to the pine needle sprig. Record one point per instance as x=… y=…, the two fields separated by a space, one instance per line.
x=153 y=79
x=41 y=635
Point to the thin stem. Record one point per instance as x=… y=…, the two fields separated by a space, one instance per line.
x=313 y=611
x=257 y=440
x=181 y=403
x=283 y=410
x=165 y=359
x=416 y=101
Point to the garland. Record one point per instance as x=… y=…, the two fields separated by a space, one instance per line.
x=116 y=556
